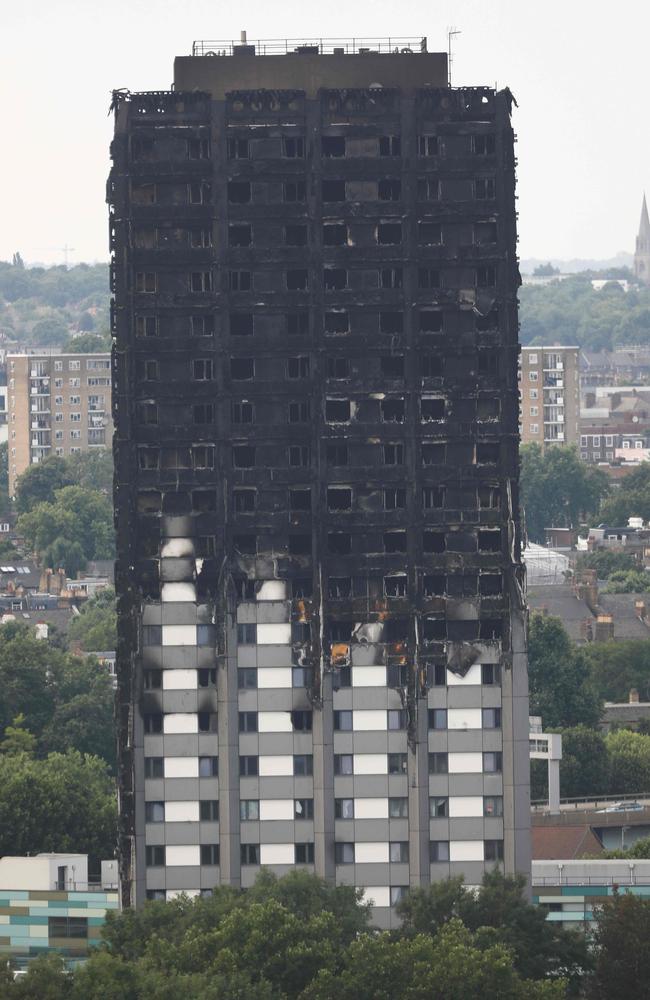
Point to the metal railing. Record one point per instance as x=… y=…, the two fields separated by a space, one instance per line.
x=584 y=801
x=629 y=878
x=319 y=46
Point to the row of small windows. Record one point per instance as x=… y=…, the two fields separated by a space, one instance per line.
x=297 y=279
x=334 y=321
x=432 y=629
x=333 y=191
x=331 y=146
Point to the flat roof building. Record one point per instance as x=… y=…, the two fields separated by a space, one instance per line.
x=321 y=619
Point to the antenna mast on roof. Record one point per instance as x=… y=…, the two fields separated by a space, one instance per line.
x=451 y=33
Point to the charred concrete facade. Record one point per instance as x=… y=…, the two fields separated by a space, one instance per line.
x=322 y=653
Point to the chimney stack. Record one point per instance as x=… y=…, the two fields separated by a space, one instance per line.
x=634 y=696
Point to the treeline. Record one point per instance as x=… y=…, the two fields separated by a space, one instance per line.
x=572 y=312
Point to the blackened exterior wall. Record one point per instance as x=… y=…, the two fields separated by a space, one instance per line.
x=316 y=410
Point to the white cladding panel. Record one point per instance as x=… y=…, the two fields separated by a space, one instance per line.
x=377 y=895
x=182 y=854
x=175 y=893
x=365 y=720
x=465 y=763
x=276 y=809
x=465 y=805
x=180 y=722
x=276 y=766
x=274 y=722
x=371 y=808
x=278 y=634
x=181 y=812
x=272 y=590
x=179 y=680
x=368 y=677
x=177 y=592
x=464 y=718
x=473 y=676
x=370 y=852
x=277 y=854
x=181 y=767
x=370 y=763
x=466 y=850
x=179 y=635
x=274 y=677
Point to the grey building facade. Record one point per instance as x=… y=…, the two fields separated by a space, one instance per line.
x=322 y=651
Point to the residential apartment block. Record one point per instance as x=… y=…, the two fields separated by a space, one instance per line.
x=58 y=404
x=321 y=655
x=550 y=395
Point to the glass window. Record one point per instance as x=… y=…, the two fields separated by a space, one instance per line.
x=249 y=809
x=344 y=853
x=398 y=808
x=343 y=763
x=344 y=808
x=438 y=807
x=438 y=850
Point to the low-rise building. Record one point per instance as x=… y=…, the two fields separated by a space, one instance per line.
x=570 y=890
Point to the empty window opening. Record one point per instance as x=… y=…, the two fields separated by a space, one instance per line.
x=486 y=277
x=488 y=407
x=239 y=192
x=432 y=408
x=244 y=501
x=430 y=365
x=389 y=189
x=240 y=235
x=338 y=368
x=393 y=454
x=339 y=587
x=297 y=279
x=240 y=281
x=433 y=452
x=391 y=277
x=145 y=281
x=483 y=145
x=428 y=145
x=433 y=497
x=428 y=189
x=299 y=412
x=434 y=629
x=148 y=413
x=294 y=191
x=298 y=367
x=389 y=233
x=429 y=277
x=202 y=326
x=201 y=281
x=295 y=236
x=434 y=541
x=242 y=368
x=293 y=147
x=300 y=545
x=337 y=321
x=429 y=233
x=299 y=455
x=433 y=585
x=337 y=454
x=242 y=413
x=396 y=585
x=394 y=498
x=204 y=501
x=394 y=541
x=338 y=411
x=146 y=326
x=491 y=628
x=335 y=234
x=199 y=193
x=489 y=497
x=392 y=411
x=491 y=585
x=485 y=188
x=391 y=322
x=243 y=456
x=489 y=540
x=238 y=149
x=198 y=149
x=333 y=190
x=339 y=543
x=390 y=145
x=488 y=322
x=200 y=238
x=203 y=413
x=335 y=278
x=487 y=453
x=333 y=146
x=485 y=233
x=392 y=365
x=300 y=499
x=202 y=370
x=339 y=498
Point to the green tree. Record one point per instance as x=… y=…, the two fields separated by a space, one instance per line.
x=629 y=762
x=560 y=684
x=605 y=562
x=93 y=470
x=38 y=483
x=46 y=979
x=26 y=667
x=65 y=802
x=631 y=499
x=18 y=739
x=95 y=628
x=621 y=582
x=79 y=522
x=617 y=667
x=585 y=764
x=639 y=849
x=557 y=488
x=49 y=332
x=88 y=343
x=621 y=940
x=546 y=270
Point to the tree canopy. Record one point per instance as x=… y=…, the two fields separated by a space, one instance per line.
x=557 y=488
x=560 y=684
x=72 y=528
x=95 y=628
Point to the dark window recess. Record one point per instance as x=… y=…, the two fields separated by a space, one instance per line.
x=485 y=233
x=207 y=722
x=199 y=193
x=303 y=808
x=483 y=145
x=394 y=498
x=433 y=453
x=432 y=408
x=434 y=629
x=485 y=188
x=297 y=279
x=335 y=278
x=391 y=277
x=438 y=851
x=239 y=192
x=486 y=277
x=390 y=189
x=248 y=767
x=238 y=149
x=428 y=189
x=145 y=281
x=294 y=191
x=203 y=413
x=202 y=370
x=338 y=411
x=240 y=235
x=245 y=589
x=301 y=631
x=198 y=149
x=398 y=674
x=300 y=545
x=335 y=234
x=141 y=148
x=488 y=322
x=242 y=368
x=332 y=146
x=241 y=324
x=304 y=854
x=337 y=321
x=344 y=853
x=392 y=411
x=240 y=281
x=391 y=322
x=438 y=763
x=389 y=233
x=343 y=808
x=392 y=365
x=152 y=635
x=433 y=584
x=491 y=718
x=152 y=680
x=149 y=502
x=295 y=236
x=248 y=722
x=154 y=856
x=299 y=412
x=301 y=720
x=303 y=764
x=333 y=190
x=339 y=587
x=394 y=541
x=343 y=763
x=154 y=767
x=339 y=498
x=433 y=497
x=462 y=584
x=298 y=367
x=428 y=145
x=243 y=456
x=491 y=628
x=249 y=854
x=300 y=499
x=209 y=854
x=244 y=501
x=202 y=326
x=200 y=238
x=146 y=326
x=487 y=453
x=338 y=367
x=201 y=281
x=242 y=413
x=493 y=850
x=438 y=807
x=492 y=762
x=489 y=540
x=297 y=323
x=247 y=678
x=430 y=365
x=339 y=543
x=148 y=458
x=337 y=454
x=302 y=677
x=397 y=763
x=207 y=677
x=429 y=233
x=396 y=586
x=293 y=147
x=390 y=145
x=437 y=718
x=491 y=585
x=153 y=722
x=429 y=277
x=488 y=407
x=299 y=455
x=393 y=454
x=434 y=541
x=148 y=413
x=489 y=497
x=245 y=544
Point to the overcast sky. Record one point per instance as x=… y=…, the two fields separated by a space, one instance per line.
x=578 y=68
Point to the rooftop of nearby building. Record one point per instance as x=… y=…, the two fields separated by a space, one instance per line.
x=558 y=842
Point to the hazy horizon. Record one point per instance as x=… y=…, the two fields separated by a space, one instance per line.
x=577 y=72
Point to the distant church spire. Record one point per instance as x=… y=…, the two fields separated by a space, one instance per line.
x=642 y=253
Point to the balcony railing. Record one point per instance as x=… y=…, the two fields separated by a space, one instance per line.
x=317 y=46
